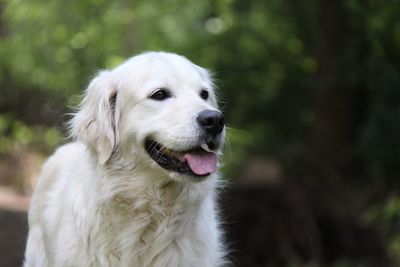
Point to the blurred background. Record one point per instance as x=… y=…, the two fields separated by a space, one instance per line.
x=311 y=93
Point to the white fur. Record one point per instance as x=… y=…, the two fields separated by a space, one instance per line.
x=102 y=201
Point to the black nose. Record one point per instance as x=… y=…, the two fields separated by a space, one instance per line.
x=212 y=121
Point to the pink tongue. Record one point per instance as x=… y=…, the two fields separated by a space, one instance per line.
x=201 y=163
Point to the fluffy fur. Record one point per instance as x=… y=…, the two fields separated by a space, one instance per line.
x=102 y=201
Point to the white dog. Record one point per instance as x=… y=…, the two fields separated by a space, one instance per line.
x=137 y=187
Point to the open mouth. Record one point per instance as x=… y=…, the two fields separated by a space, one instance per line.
x=195 y=162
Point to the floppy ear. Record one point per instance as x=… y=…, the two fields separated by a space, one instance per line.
x=95 y=121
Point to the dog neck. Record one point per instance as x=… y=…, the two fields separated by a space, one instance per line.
x=146 y=212
x=136 y=188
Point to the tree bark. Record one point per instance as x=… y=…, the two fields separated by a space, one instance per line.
x=336 y=103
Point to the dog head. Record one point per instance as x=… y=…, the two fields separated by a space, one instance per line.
x=158 y=108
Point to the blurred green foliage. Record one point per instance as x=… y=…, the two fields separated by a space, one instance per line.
x=15 y=134
x=252 y=47
x=267 y=63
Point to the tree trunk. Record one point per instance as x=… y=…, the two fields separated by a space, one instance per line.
x=336 y=103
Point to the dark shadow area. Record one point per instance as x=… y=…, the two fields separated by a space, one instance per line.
x=280 y=226
x=13 y=233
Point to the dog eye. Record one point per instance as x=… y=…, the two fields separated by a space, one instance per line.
x=160 y=94
x=204 y=94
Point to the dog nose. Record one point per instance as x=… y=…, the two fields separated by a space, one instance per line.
x=212 y=121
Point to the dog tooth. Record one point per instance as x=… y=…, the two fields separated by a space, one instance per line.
x=206 y=148
x=173 y=175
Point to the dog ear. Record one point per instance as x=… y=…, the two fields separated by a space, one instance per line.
x=95 y=121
